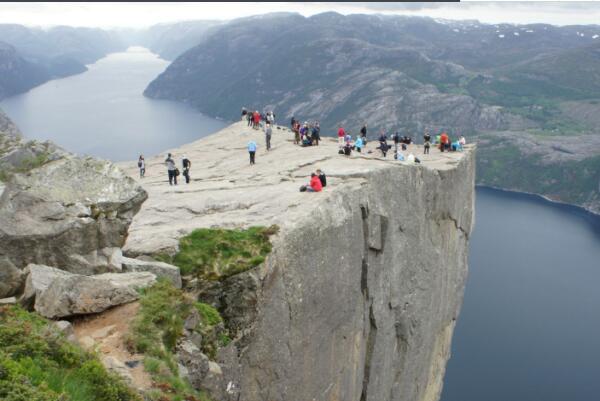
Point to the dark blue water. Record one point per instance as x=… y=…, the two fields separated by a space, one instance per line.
x=102 y=112
x=529 y=329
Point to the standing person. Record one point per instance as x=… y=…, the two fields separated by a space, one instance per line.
x=396 y=138
x=172 y=170
x=363 y=134
x=444 y=141
x=256 y=117
x=142 y=166
x=244 y=112
x=358 y=144
x=427 y=143
x=268 y=132
x=341 y=135
x=293 y=122
x=296 y=130
x=249 y=118
x=187 y=164
x=252 y=151
x=316 y=133
x=383 y=145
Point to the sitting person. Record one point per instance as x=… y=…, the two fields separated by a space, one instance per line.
x=456 y=146
x=347 y=149
x=462 y=140
x=315 y=184
x=322 y=178
x=384 y=147
x=399 y=156
x=412 y=159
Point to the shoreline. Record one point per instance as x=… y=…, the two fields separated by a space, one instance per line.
x=543 y=197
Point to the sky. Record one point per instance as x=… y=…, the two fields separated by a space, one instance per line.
x=139 y=15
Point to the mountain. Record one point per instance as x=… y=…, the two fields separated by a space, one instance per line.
x=516 y=85
x=171 y=40
x=18 y=75
x=32 y=56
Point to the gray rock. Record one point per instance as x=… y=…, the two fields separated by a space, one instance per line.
x=195 y=363
x=116 y=366
x=8 y=301
x=160 y=269
x=71 y=212
x=56 y=293
x=11 y=278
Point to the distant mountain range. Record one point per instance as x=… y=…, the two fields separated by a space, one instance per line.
x=32 y=56
x=528 y=93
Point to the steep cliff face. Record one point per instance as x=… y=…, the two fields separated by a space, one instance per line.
x=359 y=298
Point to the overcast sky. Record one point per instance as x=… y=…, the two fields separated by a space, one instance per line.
x=137 y=15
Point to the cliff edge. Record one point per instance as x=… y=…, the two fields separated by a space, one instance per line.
x=359 y=297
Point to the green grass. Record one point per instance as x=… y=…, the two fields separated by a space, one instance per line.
x=215 y=254
x=26 y=165
x=157 y=328
x=38 y=364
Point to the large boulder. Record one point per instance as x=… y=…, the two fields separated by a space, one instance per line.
x=71 y=212
x=55 y=293
x=160 y=269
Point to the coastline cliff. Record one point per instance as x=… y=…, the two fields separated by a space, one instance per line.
x=359 y=296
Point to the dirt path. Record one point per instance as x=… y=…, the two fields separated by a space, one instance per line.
x=108 y=331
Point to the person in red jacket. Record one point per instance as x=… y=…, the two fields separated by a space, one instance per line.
x=315 y=183
x=256 y=117
x=444 y=141
x=341 y=135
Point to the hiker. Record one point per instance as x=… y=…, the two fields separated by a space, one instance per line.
x=293 y=123
x=296 y=130
x=172 y=170
x=322 y=178
x=383 y=145
x=142 y=166
x=462 y=141
x=444 y=142
x=244 y=112
x=252 y=151
x=268 y=132
x=341 y=135
x=358 y=144
x=256 y=119
x=396 y=138
x=427 y=143
x=363 y=134
x=316 y=133
x=249 y=118
x=187 y=164
x=315 y=184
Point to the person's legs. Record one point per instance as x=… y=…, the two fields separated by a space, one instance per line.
x=268 y=142
x=171 y=175
x=310 y=189
x=252 y=157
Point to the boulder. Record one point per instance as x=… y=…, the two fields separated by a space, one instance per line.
x=160 y=269
x=11 y=278
x=8 y=301
x=116 y=366
x=55 y=293
x=72 y=212
x=194 y=363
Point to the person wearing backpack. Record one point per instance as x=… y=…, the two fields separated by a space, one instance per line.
x=427 y=143
x=171 y=169
x=187 y=164
x=252 y=151
x=142 y=166
x=268 y=133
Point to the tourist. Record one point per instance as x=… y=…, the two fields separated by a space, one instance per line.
x=462 y=141
x=256 y=118
x=268 y=132
x=322 y=177
x=171 y=169
x=252 y=151
x=187 y=164
x=383 y=145
x=397 y=139
x=341 y=135
x=444 y=142
x=249 y=118
x=142 y=166
x=315 y=184
x=426 y=143
x=244 y=112
x=363 y=134
x=296 y=130
x=316 y=133
x=358 y=144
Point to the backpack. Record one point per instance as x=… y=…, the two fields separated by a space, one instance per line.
x=303 y=188
x=176 y=172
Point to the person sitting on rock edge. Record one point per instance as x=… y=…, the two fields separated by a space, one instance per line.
x=322 y=177
x=315 y=184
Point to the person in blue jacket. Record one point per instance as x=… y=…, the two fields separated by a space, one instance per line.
x=252 y=151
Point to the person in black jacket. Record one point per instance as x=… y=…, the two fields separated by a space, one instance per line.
x=187 y=164
x=322 y=177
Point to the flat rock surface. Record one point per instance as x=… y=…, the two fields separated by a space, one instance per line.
x=226 y=191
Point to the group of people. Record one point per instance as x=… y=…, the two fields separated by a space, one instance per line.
x=255 y=118
x=317 y=182
x=307 y=134
x=172 y=169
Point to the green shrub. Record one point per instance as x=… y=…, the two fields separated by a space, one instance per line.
x=214 y=254
x=38 y=363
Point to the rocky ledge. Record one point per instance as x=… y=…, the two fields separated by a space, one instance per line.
x=359 y=296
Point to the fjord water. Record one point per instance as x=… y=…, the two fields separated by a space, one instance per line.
x=102 y=111
x=529 y=329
